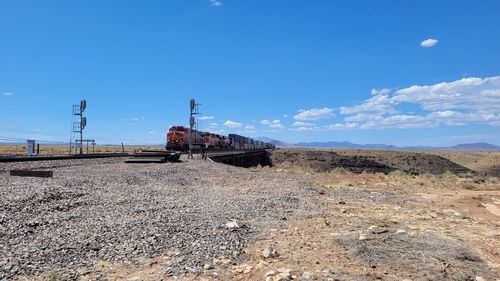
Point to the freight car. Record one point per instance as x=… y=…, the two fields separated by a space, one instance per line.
x=178 y=140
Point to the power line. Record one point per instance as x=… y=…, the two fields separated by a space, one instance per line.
x=3 y=138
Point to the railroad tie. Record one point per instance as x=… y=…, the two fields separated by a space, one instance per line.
x=30 y=173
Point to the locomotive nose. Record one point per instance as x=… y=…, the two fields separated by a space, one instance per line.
x=174 y=137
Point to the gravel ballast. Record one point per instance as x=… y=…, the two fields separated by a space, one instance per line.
x=105 y=209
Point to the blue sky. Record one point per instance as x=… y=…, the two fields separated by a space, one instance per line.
x=359 y=71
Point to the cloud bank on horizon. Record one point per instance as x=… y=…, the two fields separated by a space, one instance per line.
x=461 y=102
x=458 y=103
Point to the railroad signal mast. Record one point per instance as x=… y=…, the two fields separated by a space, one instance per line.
x=78 y=126
x=194 y=109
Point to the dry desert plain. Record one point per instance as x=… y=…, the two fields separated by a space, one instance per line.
x=314 y=215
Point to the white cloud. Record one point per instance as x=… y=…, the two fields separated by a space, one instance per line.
x=335 y=126
x=301 y=129
x=151 y=132
x=206 y=118
x=250 y=129
x=376 y=92
x=214 y=124
x=339 y=126
x=8 y=94
x=428 y=43
x=446 y=114
x=380 y=103
x=466 y=93
x=232 y=124
x=303 y=124
x=275 y=124
x=216 y=3
x=397 y=121
x=135 y=118
x=314 y=114
x=361 y=117
x=285 y=115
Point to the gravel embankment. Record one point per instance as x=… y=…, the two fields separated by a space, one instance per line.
x=105 y=209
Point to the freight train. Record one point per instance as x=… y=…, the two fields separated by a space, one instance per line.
x=178 y=140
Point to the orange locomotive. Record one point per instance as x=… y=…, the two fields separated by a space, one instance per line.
x=178 y=139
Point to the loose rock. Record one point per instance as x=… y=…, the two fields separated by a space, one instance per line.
x=269 y=252
x=232 y=224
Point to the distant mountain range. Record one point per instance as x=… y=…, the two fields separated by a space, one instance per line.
x=480 y=146
x=275 y=142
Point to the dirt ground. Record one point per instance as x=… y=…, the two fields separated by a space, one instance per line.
x=367 y=226
x=394 y=227
x=374 y=227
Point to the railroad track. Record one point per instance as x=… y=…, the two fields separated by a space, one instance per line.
x=167 y=155
x=60 y=157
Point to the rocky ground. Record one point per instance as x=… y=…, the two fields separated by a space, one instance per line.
x=199 y=220
x=357 y=161
x=106 y=210
x=487 y=162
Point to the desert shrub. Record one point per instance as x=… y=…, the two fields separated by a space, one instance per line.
x=382 y=176
x=426 y=256
x=399 y=176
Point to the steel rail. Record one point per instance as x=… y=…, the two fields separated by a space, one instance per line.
x=60 y=157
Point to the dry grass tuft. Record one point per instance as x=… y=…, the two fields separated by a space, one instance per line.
x=426 y=256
